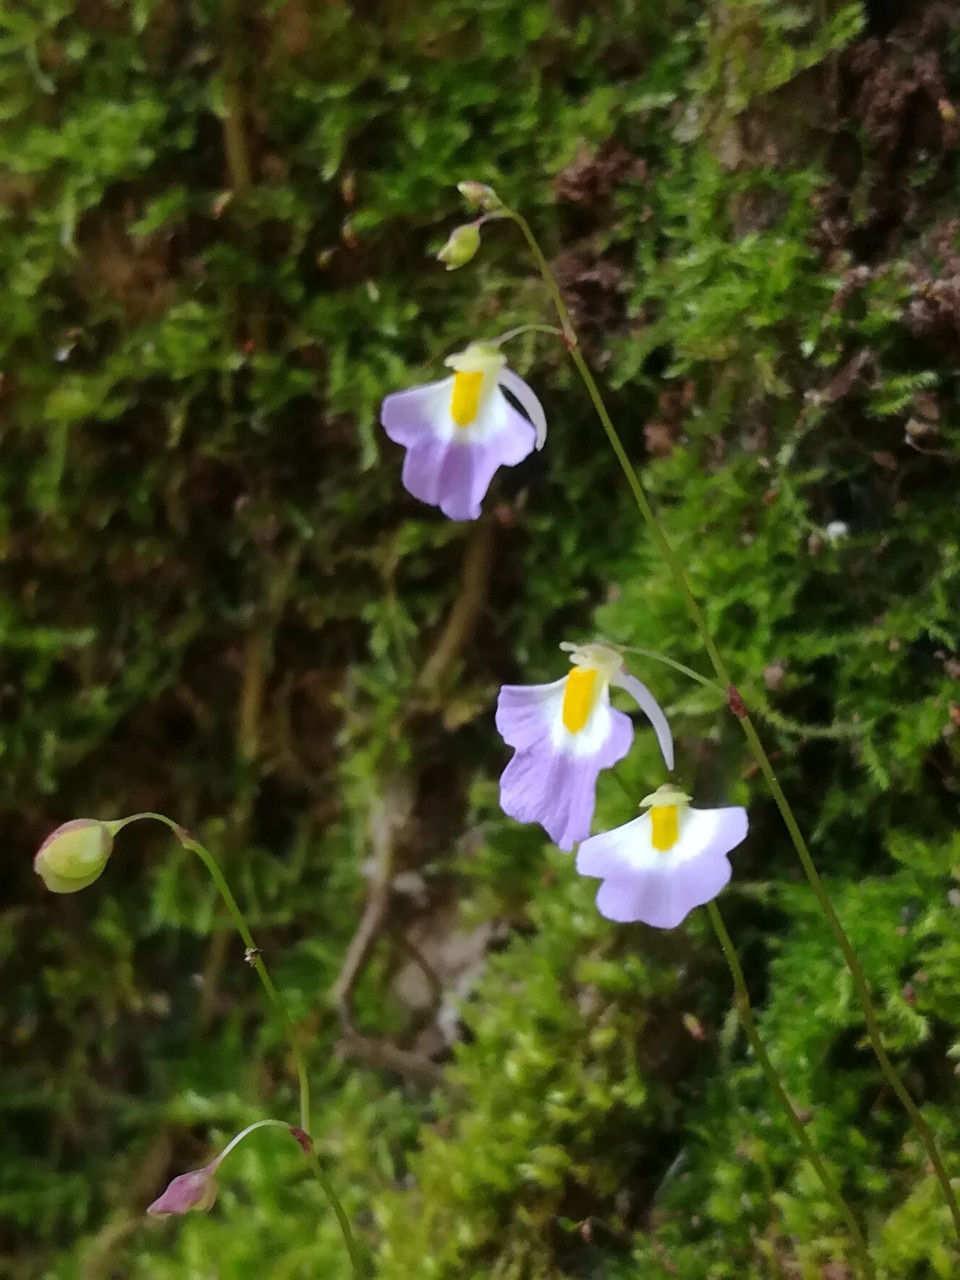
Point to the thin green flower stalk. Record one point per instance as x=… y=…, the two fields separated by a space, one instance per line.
x=747 y=1021
x=252 y=950
x=78 y=876
x=766 y=712
x=675 y=566
x=273 y=995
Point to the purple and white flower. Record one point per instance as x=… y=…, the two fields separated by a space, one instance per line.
x=563 y=734
x=458 y=431
x=660 y=866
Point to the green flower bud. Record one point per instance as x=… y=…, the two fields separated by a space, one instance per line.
x=75 y=854
x=460 y=248
x=481 y=195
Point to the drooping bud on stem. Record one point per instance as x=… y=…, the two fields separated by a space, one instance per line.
x=189 y=1192
x=479 y=194
x=197 y=1190
x=462 y=245
x=74 y=855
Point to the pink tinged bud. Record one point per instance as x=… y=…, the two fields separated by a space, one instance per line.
x=193 y=1191
x=479 y=194
x=74 y=855
x=461 y=247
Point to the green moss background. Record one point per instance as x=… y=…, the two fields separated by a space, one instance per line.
x=216 y=222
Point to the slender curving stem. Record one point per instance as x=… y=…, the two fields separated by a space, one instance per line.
x=745 y=1013
x=356 y=1258
x=276 y=1000
x=678 y=572
x=253 y=951
x=747 y=1021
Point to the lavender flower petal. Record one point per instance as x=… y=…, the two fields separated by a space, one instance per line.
x=517 y=436
x=558 y=793
x=450 y=475
x=447 y=466
x=663 y=897
x=408 y=416
x=611 y=852
x=423 y=468
x=550 y=782
x=523 y=712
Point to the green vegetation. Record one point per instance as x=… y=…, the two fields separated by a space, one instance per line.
x=216 y=222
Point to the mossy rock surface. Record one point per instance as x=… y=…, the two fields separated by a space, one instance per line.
x=216 y=228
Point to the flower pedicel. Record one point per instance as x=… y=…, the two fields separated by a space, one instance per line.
x=196 y=1191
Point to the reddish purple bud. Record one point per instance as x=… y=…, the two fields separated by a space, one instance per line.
x=191 y=1191
x=74 y=855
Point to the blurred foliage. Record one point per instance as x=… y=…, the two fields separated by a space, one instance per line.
x=215 y=229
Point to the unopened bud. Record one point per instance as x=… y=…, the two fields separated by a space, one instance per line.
x=193 y=1191
x=479 y=194
x=460 y=248
x=74 y=855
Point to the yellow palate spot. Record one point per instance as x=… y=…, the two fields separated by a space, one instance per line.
x=465 y=400
x=666 y=827
x=578 y=697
